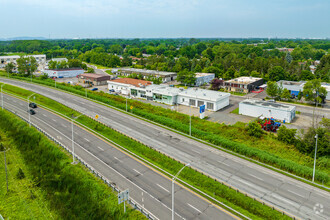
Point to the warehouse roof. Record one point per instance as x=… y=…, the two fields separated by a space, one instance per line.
x=203 y=74
x=204 y=94
x=97 y=77
x=130 y=81
x=144 y=71
x=268 y=104
x=244 y=80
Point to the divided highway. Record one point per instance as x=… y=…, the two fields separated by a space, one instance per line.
x=293 y=197
x=147 y=187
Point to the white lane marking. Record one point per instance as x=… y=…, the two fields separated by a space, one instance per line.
x=195 y=151
x=194 y=208
x=295 y=193
x=163 y=188
x=100 y=148
x=247 y=183
x=86 y=139
x=20 y=103
x=137 y=171
x=53 y=119
x=44 y=115
x=64 y=125
x=117 y=159
x=256 y=177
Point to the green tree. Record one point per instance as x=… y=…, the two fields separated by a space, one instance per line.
x=272 y=89
x=254 y=129
x=314 y=92
x=198 y=68
x=286 y=135
x=276 y=73
x=9 y=67
x=186 y=77
x=90 y=70
x=300 y=95
x=306 y=75
x=288 y=57
x=286 y=94
x=27 y=65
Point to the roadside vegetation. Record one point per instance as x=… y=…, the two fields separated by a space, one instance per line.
x=48 y=186
x=223 y=193
x=266 y=148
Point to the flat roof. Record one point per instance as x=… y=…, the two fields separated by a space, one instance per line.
x=268 y=104
x=17 y=56
x=130 y=81
x=73 y=69
x=244 y=80
x=204 y=94
x=95 y=76
x=203 y=74
x=150 y=72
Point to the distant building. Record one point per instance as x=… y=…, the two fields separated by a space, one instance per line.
x=63 y=73
x=295 y=87
x=94 y=79
x=243 y=84
x=202 y=78
x=4 y=60
x=194 y=97
x=284 y=49
x=166 y=76
x=59 y=59
x=259 y=108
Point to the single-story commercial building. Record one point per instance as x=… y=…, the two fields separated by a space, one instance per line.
x=94 y=79
x=124 y=85
x=62 y=73
x=194 y=97
x=166 y=76
x=243 y=84
x=295 y=87
x=267 y=109
x=4 y=60
x=202 y=78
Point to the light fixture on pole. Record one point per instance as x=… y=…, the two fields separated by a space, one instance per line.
x=29 y=109
x=73 y=119
x=316 y=136
x=2 y=96
x=176 y=176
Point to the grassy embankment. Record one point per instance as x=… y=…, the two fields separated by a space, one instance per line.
x=266 y=149
x=52 y=187
x=230 y=197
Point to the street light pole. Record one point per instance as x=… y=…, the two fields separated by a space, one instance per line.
x=190 y=120
x=173 y=188
x=126 y=103
x=29 y=109
x=73 y=119
x=316 y=136
x=2 y=97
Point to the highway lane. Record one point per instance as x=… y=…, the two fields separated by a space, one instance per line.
x=285 y=193
x=148 y=187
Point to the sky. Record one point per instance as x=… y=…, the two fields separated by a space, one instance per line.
x=165 y=18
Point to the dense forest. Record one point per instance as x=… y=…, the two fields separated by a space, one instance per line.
x=227 y=58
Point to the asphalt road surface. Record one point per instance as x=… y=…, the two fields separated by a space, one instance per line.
x=147 y=187
x=287 y=194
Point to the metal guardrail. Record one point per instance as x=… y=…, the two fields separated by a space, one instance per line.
x=131 y=201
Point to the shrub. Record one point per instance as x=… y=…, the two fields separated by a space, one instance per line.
x=287 y=135
x=254 y=129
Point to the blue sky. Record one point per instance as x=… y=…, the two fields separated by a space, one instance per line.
x=165 y=18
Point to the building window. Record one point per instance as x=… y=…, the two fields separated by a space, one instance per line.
x=134 y=92
x=182 y=99
x=209 y=105
x=199 y=103
x=192 y=102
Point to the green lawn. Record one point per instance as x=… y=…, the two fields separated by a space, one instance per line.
x=235 y=111
x=99 y=66
x=24 y=200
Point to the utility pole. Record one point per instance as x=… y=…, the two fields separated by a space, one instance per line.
x=2 y=97
x=73 y=119
x=190 y=120
x=126 y=103
x=173 y=180
x=316 y=136
x=4 y=153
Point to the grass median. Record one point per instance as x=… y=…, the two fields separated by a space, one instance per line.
x=223 y=193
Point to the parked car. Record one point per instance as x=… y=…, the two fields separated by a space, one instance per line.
x=111 y=90
x=31 y=112
x=33 y=105
x=94 y=89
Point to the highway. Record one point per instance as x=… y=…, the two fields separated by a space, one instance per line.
x=285 y=193
x=147 y=187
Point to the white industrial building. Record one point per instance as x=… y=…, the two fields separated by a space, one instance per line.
x=166 y=76
x=4 y=60
x=267 y=109
x=202 y=78
x=63 y=73
x=194 y=97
